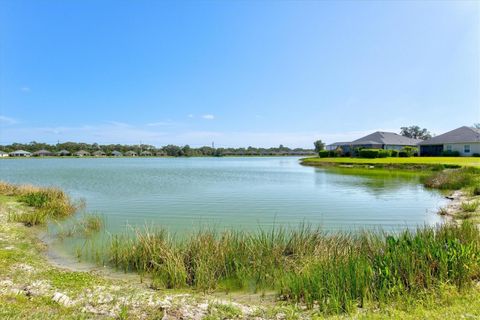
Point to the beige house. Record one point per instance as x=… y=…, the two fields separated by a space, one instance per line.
x=464 y=140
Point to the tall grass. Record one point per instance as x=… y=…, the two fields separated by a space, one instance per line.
x=48 y=203
x=470 y=206
x=84 y=227
x=453 y=179
x=332 y=272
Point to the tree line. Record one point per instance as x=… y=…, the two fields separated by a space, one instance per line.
x=168 y=150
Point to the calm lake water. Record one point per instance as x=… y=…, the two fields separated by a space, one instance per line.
x=241 y=193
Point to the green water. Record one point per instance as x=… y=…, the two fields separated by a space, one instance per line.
x=182 y=194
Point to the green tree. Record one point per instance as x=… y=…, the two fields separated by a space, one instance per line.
x=319 y=146
x=415 y=132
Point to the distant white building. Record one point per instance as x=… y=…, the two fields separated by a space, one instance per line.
x=131 y=154
x=82 y=153
x=3 y=154
x=464 y=140
x=20 y=153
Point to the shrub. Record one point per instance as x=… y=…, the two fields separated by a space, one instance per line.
x=449 y=153
x=476 y=191
x=408 y=151
x=339 y=152
x=369 y=153
x=323 y=153
x=394 y=153
x=476 y=155
x=384 y=153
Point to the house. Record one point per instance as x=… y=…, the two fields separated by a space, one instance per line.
x=131 y=154
x=3 y=154
x=42 y=153
x=161 y=153
x=63 y=153
x=99 y=153
x=20 y=153
x=377 y=140
x=146 y=154
x=464 y=140
x=335 y=145
x=82 y=153
x=116 y=153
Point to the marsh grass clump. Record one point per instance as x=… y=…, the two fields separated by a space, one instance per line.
x=87 y=225
x=382 y=270
x=335 y=273
x=470 y=206
x=452 y=179
x=442 y=211
x=48 y=203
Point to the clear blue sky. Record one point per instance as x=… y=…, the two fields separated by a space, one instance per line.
x=258 y=73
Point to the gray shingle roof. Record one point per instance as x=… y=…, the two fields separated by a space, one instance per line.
x=82 y=152
x=339 y=144
x=389 y=138
x=20 y=152
x=460 y=135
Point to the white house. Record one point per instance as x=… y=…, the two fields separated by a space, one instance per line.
x=20 y=153
x=465 y=140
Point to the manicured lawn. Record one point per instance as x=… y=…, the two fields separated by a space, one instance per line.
x=461 y=161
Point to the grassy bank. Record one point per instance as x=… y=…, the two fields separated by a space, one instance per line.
x=398 y=162
x=48 y=203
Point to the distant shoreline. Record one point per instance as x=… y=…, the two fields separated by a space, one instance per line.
x=154 y=157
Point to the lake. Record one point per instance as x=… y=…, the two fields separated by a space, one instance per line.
x=182 y=194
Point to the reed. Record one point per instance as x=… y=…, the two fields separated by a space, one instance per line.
x=452 y=179
x=335 y=273
x=84 y=227
x=470 y=206
x=49 y=203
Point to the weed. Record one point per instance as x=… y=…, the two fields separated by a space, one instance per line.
x=470 y=206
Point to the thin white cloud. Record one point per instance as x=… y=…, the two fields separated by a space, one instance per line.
x=25 y=89
x=159 y=124
x=118 y=124
x=208 y=116
x=191 y=115
x=7 y=120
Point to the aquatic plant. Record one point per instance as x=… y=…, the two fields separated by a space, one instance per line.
x=84 y=227
x=332 y=272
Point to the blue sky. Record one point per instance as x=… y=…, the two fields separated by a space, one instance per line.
x=239 y=73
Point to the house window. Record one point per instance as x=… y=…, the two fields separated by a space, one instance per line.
x=449 y=147
x=466 y=148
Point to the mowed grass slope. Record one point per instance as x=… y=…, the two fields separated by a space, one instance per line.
x=455 y=161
